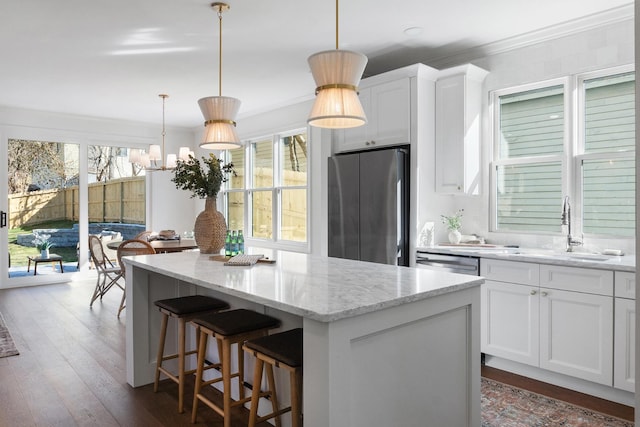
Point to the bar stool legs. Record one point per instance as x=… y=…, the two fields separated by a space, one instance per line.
x=182 y=309
x=282 y=350
x=227 y=328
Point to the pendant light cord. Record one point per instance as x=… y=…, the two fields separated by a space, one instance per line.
x=164 y=98
x=336 y=24
x=220 y=51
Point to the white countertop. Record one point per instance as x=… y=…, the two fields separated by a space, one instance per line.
x=320 y=288
x=542 y=256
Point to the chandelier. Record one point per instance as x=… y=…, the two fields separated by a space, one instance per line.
x=153 y=160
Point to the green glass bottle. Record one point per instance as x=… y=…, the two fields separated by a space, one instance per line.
x=227 y=244
x=234 y=243
x=240 y=242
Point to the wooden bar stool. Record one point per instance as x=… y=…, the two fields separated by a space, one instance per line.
x=183 y=309
x=282 y=350
x=228 y=328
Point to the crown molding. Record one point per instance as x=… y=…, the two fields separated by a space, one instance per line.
x=586 y=23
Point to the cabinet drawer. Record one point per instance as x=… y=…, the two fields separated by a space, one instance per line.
x=523 y=273
x=625 y=284
x=577 y=279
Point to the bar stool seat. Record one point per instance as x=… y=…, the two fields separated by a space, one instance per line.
x=183 y=309
x=282 y=350
x=228 y=328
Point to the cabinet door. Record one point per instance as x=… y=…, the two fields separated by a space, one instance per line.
x=450 y=113
x=509 y=321
x=388 y=110
x=624 y=352
x=625 y=284
x=576 y=334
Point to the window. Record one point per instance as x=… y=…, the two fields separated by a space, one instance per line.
x=539 y=157
x=268 y=197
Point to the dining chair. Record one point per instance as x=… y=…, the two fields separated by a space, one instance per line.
x=109 y=274
x=129 y=248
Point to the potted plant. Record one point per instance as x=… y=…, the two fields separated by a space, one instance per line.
x=43 y=244
x=203 y=180
x=453 y=223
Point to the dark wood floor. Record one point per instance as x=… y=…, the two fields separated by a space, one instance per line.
x=71 y=367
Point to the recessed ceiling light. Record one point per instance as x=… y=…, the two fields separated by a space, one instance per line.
x=413 y=31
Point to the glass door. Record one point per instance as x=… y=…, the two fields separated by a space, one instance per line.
x=41 y=211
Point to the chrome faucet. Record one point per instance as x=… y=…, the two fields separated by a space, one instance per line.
x=566 y=220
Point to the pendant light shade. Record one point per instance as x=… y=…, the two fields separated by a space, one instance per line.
x=220 y=111
x=337 y=75
x=220 y=127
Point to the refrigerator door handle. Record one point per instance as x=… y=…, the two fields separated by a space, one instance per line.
x=3 y=219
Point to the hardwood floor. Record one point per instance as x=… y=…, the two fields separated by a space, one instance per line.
x=71 y=367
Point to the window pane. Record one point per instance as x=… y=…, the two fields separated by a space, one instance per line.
x=532 y=123
x=293 y=158
x=236 y=157
x=609 y=197
x=262 y=161
x=235 y=210
x=262 y=214
x=610 y=113
x=294 y=215
x=529 y=197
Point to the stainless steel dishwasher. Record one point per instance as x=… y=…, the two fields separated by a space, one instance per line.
x=452 y=263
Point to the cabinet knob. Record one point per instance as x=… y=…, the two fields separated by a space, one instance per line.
x=367 y=143
x=373 y=142
x=533 y=292
x=544 y=294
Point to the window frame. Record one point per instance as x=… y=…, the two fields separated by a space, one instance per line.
x=276 y=193
x=573 y=154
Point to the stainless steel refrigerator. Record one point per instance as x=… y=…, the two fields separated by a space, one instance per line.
x=369 y=206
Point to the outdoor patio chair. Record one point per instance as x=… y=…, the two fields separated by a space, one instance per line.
x=108 y=273
x=129 y=248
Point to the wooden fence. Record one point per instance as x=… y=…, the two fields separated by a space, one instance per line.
x=118 y=200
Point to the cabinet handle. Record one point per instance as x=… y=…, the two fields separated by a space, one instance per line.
x=533 y=292
x=544 y=294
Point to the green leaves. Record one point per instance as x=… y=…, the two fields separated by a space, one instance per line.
x=202 y=179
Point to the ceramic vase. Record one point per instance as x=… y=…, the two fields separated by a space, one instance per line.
x=454 y=236
x=210 y=228
x=44 y=253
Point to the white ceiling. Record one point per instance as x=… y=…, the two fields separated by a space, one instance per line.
x=112 y=58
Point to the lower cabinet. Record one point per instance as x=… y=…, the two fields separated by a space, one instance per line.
x=624 y=343
x=576 y=336
x=551 y=327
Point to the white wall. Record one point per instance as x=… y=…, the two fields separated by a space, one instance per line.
x=599 y=48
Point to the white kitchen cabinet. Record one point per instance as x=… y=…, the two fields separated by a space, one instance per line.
x=624 y=349
x=576 y=334
x=388 y=109
x=510 y=321
x=553 y=317
x=624 y=368
x=458 y=120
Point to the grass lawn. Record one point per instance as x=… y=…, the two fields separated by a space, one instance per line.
x=19 y=253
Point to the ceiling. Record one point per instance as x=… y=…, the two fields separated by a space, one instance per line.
x=112 y=58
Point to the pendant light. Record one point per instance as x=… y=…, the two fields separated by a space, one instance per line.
x=337 y=74
x=153 y=160
x=220 y=111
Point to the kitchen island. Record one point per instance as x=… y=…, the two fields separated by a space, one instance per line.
x=383 y=345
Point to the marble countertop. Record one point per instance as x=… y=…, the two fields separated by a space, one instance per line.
x=320 y=288
x=542 y=256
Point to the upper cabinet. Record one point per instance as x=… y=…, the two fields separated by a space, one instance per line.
x=388 y=109
x=458 y=117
